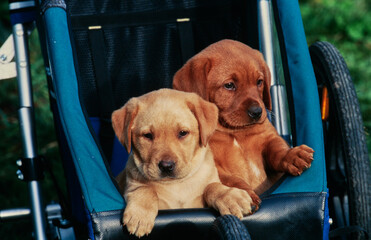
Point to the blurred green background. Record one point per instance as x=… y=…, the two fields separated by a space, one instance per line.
x=346 y=24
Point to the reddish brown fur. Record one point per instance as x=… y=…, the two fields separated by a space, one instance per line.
x=248 y=152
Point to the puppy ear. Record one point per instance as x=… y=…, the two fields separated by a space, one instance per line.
x=267 y=88
x=122 y=122
x=192 y=77
x=206 y=114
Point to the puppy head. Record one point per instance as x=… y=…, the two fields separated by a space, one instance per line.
x=166 y=129
x=233 y=76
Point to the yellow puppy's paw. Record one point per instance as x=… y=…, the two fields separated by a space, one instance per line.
x=236 y=202
x=138 y=221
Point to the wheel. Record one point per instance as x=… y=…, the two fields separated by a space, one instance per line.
x=229 y=227
x=347 y=161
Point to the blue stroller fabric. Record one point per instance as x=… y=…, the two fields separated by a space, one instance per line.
x=119 y=153
x=99 y=195
x=308 y=124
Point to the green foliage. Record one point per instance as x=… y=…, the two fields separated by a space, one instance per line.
x=345 y=24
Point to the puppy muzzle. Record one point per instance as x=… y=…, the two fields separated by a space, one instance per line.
x=255 y=112
x=167 y=168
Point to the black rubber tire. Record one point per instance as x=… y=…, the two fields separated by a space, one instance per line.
x=229 y=227
x=347 y=160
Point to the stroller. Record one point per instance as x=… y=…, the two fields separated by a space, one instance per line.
x=98 y=54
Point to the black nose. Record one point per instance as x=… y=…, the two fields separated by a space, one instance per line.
x=167 y=167
x=255 y=112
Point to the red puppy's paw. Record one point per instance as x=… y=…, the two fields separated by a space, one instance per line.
x=298 y=159
x=256 y=201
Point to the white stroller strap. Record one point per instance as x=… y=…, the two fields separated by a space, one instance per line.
x=7 y=67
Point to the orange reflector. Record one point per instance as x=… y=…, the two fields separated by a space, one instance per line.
x=325 y=104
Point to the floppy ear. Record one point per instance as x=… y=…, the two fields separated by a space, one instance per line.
x=192 y=77
x=206 y=114
x=267 y=88
x=122 y=122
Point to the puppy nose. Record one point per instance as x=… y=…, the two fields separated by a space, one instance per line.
x=255 y=112
x=166 y=167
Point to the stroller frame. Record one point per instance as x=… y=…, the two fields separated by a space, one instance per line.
x=30 y=166
x=31 y=169
x=32 y=173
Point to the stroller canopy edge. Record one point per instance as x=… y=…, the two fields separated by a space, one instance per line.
x=305 y=94
x=99 y=191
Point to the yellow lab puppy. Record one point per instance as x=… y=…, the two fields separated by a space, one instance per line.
x=171 y=165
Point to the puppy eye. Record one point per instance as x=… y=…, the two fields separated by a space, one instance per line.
x=259 y=82
x=230 y=86
x=148 y=136
x=182 y=134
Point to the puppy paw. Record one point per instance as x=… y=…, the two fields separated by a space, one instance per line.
x=256 y=201
x=298 y=159
x=139 y=221
x=236 y=202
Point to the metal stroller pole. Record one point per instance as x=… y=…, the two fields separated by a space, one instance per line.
x=30 y=165
x=278 y=93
